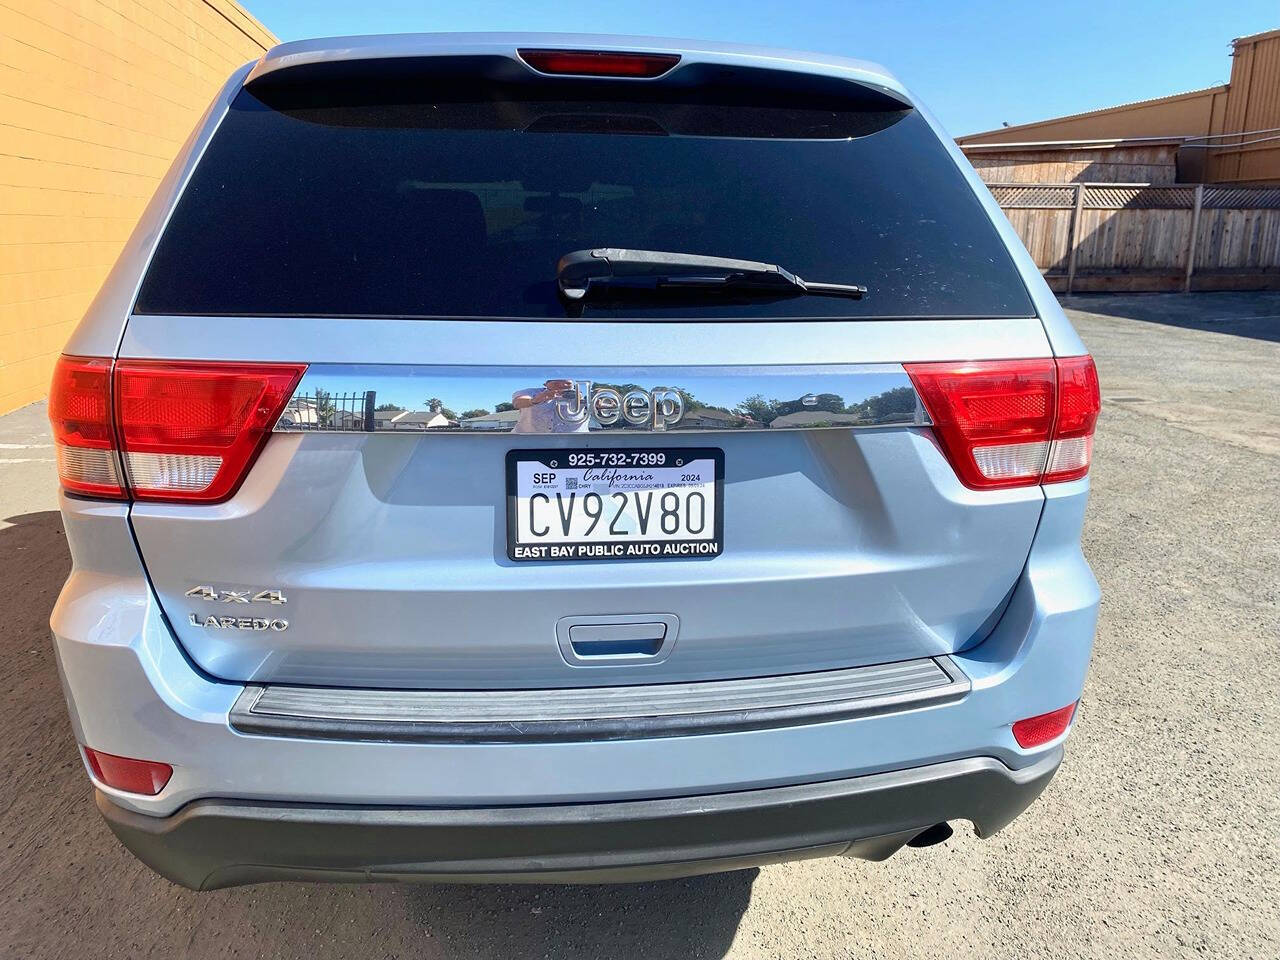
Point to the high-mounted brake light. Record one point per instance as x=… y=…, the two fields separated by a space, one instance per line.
x=147 y=777
x=181 y=430
x=1012 y=423
x=600 y=63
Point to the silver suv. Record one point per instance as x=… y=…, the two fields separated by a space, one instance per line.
x=568 y=458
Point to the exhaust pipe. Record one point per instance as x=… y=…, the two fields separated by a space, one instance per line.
x=938 y=833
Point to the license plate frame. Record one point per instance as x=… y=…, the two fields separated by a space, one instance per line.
x=591 y=550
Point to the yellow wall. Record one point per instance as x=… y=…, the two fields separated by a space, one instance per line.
x=96 y=97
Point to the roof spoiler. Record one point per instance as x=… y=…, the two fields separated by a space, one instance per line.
x=818 y=82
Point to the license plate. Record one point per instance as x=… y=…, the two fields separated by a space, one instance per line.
x=633 y=504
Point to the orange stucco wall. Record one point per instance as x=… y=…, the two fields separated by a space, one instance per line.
x=96 y=97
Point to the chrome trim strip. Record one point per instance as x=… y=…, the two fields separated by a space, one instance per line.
x=595 y=713
x=386 y=398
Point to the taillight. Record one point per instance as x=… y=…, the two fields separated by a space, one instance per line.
x=1038 y=730
x=1012 y=423
x=1079 y=402
x=600 y=63
x=83 y=436
x=147 y=777
x=184 y=430
x=190 y=431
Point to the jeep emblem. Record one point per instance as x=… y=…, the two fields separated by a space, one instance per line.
x=655 y=409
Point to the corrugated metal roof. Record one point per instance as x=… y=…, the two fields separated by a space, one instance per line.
x=1255 y=37
x=1103 y=111
x=1104 y=143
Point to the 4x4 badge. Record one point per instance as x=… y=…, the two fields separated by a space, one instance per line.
x=236 y=596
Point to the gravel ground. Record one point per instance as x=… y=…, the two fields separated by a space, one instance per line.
x=1158 y=838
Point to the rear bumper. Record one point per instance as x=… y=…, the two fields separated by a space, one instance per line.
x=220 y=843
x=115 y=648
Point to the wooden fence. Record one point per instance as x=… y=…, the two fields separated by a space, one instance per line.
x=1132 y=236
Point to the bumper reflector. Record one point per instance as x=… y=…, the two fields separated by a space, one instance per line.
x=147 y=777
x=1039 y=730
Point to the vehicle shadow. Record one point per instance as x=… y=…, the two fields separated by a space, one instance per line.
x=62 y=872
x=694 y=917
x=667 y=920
x=1255 y=315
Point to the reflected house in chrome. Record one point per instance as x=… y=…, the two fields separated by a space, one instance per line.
x=710 y=418
x=818 y=418
x=299 y=414
x=346 y=420
x=504 y=420
x=355 y=411
x=420 y=420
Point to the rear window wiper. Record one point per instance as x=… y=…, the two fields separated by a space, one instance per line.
x=614 y=270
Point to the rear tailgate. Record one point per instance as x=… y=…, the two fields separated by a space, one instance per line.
x=841 y=546
x=401 y=240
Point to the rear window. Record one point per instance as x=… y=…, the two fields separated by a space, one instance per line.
x=355 y=201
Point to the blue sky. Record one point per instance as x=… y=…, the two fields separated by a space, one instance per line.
x=976 y=64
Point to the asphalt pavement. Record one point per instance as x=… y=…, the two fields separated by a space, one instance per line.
x=1159 y=837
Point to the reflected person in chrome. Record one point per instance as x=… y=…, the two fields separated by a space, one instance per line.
x=539 y=410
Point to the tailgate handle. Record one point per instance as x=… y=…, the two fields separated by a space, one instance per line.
x=617 y=640
x=588 y=641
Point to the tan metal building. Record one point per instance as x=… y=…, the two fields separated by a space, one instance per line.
x=1228 y=134
x=96 y=97
x=1253 y=104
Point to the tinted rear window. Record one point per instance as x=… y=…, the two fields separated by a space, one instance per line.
x=419 y=204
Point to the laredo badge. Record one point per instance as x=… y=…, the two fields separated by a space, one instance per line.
x=238 y=623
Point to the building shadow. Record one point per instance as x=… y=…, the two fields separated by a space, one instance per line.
x=62 y=872
x=1255 y=315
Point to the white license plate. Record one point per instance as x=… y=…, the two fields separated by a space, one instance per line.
x=647 y=503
